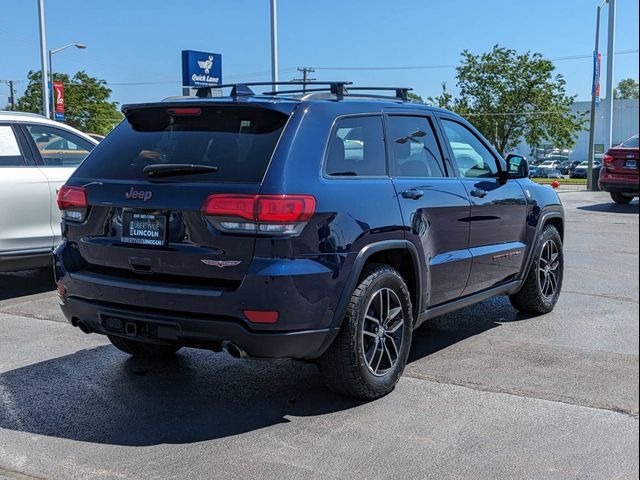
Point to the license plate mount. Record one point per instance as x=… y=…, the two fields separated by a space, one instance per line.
x=143 y=228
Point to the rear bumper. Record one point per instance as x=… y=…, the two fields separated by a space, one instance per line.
x=304 y=292
x=618 y=183
x=204 y=333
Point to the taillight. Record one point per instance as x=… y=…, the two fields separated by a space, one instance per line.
x=607 y=161
x=72 y=202
x=268 y=214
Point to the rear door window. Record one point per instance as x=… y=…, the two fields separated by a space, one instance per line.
x=414 y=147
x=239 y=141
x=58 y=147
x=356 y=148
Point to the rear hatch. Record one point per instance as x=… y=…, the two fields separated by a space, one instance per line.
x=146 y=185
x=623 y=159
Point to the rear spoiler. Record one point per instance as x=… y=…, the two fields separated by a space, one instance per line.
x=282 y=106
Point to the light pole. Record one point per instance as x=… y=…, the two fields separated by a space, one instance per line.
x=51 y=53
x=274 y=43
x=43 y=60
x=591 y=182
x=611 y=48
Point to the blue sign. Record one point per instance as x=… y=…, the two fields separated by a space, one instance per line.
x=201 y=69
x=59 y=116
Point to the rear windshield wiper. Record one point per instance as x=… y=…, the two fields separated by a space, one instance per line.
x=169 y=169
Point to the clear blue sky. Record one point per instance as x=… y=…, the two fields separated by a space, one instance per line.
x=141 y=40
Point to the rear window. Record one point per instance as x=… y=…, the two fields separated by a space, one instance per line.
x=237 y=140
x=632 y=142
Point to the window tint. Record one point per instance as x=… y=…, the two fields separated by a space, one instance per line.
x=473 y=158
x=237 y=140
x=356 y=148
x=10 y=155
x=414 y=148
x=59 y=148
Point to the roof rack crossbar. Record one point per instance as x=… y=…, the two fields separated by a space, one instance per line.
x=401 y=92
x=243 y=89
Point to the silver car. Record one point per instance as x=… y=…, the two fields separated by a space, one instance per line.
x=37 y=155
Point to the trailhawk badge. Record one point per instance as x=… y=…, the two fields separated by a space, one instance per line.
x=221 y=263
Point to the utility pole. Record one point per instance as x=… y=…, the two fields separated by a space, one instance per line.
x=274 y=43
x=305 y=77
x=12 y=97
x=43 y=61
x=611 y=48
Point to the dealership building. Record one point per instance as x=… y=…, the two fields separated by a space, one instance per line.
x=625 y=125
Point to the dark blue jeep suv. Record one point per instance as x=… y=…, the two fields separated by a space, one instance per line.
x=324 y=224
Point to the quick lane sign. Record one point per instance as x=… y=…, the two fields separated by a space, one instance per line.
x=201 y=69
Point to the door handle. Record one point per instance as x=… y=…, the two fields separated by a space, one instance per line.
x=478 y=192
x=412 y=194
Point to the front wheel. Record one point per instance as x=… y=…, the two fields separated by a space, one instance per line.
x=620 y=198
x=370 y=352
x=541 y=289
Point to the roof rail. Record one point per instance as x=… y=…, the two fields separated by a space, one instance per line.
x=338 y=88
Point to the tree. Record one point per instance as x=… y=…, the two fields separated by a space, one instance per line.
x=627 y=88
x=415 y=98
x=510 y=96
x=87 y=106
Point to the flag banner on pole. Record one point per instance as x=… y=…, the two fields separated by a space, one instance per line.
x=58 y=90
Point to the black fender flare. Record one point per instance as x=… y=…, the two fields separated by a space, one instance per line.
x=354 y=276
x=542 y=221
x=358 y=265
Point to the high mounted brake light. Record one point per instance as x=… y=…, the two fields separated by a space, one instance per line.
x=269 y=214
x=185 y=111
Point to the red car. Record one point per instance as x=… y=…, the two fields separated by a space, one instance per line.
x=619 y=172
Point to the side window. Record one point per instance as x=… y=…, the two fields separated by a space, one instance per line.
x=58 y=147
x=356 y=148
x=414 y=147
x=473 y=158
x=10 y=155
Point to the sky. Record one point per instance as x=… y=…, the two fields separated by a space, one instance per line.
x=135 y=45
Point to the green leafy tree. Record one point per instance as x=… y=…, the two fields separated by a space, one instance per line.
x=627 y=88
x=415 y=98
x=510 y=96
x=444 y=100
x=86 y=101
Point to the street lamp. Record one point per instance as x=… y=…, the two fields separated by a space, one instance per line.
x=81 y=46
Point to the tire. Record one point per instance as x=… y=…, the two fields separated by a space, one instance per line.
x=143 y=349
x=361 y=362
x=620 y=198
x=541 y=289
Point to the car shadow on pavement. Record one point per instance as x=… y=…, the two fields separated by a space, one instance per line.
x=611 y=207
x=28 y=282
x=101 y=395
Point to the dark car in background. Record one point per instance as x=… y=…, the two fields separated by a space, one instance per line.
x=568 y=166
x=582 y=170
x=619 y=175
x=546 y=172
x=317 y=226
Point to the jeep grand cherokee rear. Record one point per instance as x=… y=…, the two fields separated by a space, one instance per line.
x=160 y=228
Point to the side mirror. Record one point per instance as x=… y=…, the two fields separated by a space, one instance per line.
x=517 y=166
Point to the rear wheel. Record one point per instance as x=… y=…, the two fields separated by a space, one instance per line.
x=370 y=352
x=541 y=290
x=143 y=349
x=620 y=198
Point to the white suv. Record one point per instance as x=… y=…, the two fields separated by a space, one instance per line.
x=37 y=155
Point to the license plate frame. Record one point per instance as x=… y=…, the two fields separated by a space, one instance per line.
x=631 y=163
x=144 y=228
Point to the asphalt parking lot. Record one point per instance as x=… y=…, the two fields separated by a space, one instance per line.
x=488 y=393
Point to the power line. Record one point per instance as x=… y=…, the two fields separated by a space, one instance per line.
x=433 y=67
